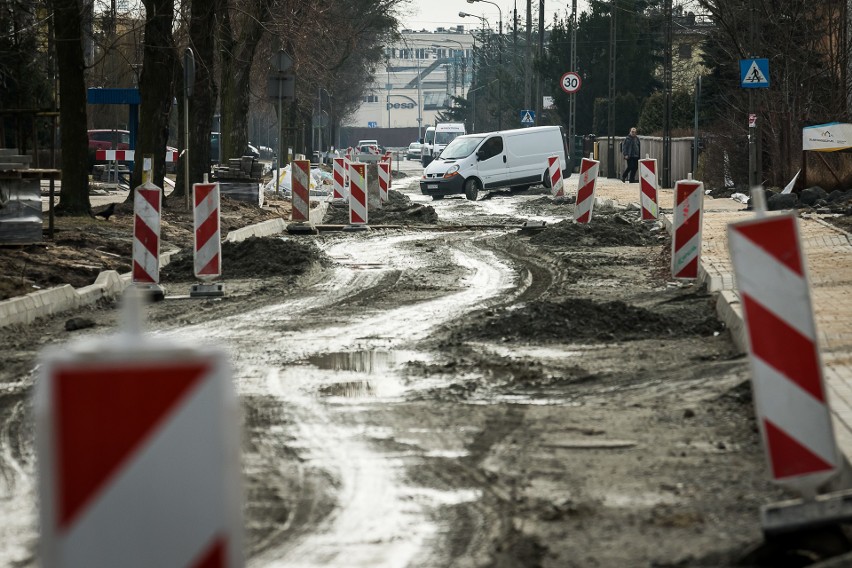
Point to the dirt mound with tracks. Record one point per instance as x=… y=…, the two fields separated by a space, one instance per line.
x=399 y=210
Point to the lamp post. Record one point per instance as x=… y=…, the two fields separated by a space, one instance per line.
x=500 y=51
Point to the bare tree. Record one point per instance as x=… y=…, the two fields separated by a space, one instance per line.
x=156 y=88
x=74 y=195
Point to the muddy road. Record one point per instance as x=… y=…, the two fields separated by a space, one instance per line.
x=459 y=397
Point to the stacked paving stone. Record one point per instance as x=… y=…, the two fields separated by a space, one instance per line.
x=240 y=180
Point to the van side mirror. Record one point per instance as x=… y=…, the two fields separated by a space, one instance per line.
x=479 y=154
x=420 y=141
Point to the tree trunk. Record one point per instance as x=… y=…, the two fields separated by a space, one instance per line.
x=203 y=100
x=156 y=89
x=74 y=195
x=237 y=57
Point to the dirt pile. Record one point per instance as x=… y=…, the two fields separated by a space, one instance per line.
x=254 y=258
x=580 y=319
x=604 y=231
x=399 y=210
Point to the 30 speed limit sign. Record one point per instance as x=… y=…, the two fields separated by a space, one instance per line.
x=571 y=82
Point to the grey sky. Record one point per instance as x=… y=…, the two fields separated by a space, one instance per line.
x=430 y=14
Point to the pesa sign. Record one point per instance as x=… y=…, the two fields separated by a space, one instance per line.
x=399 y=105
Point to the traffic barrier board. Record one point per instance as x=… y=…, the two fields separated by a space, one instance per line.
x=789 y=388
x=339 y=179
x=357 y=193
x=128 y=155
x=648 y=189
x=554 y=170
x=208 y=235
x=586 y=185
x=138 y=457
x=300 y=178
x=384 y=181
x=147 y=200
x=686 y=229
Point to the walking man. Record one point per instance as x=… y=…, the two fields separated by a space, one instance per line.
x=630 y=149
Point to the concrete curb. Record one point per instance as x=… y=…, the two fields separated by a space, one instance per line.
x=24 y=310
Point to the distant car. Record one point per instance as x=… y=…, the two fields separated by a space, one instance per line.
x=371 y=149
x=413 y=152
x=107 y=139
x=368 y=142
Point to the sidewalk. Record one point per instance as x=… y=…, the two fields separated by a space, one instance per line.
x=828 y=254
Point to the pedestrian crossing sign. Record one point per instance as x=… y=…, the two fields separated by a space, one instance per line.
x=754 y=73
x=527 y=117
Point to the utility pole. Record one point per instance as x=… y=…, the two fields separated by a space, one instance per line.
x=610 y=107
x=572 y=98
x=667 y=88
x=753 y=178
x=528 y=60
x=538 y=93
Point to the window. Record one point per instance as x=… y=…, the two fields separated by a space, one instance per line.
x=370 y=99
x=492 y=147
x=684 y=51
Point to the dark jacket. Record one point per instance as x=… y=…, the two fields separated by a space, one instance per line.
x=630 y=147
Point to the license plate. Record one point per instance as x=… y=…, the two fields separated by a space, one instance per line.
x=432 y=186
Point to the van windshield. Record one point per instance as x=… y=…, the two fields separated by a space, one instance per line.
x=461 y=147
x=446 y=137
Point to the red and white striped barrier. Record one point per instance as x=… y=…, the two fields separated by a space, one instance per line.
x=686 y=229
x=648 y=189
x=789 y=389
x=357 y=193
x=127 y=155
x=300 y=190
x=554 y=170
x=138 y=460
x=586 y=190
x=384 y=181
x=388 y=156
x=147 y=200
x=208 y=237
x=338 y=178
x=347 y=162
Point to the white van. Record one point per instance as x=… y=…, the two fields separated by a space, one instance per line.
x=437 y=138
x=491 y=160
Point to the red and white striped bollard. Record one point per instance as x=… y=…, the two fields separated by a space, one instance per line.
x=300 y=198
x=789 y=388
x=339 y=179
x=384 y=181
x=586 y=190
x=686 y=229
x=554 y=170
x=357 y=193
x=648 y=189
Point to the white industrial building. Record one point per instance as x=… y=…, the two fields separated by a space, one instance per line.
x=422 y=71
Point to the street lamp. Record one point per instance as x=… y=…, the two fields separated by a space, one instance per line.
x=500 y=48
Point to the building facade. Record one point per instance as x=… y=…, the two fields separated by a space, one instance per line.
x=423 y=71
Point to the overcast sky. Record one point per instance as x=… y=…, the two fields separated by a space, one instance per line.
x=431 y=14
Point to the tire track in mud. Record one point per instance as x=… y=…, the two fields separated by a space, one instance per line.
x=378 y=521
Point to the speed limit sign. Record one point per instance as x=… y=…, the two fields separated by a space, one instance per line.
x=571 y=82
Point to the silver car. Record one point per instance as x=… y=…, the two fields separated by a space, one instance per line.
x=413 y=152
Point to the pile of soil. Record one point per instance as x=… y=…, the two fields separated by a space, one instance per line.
x=84 y=246
x=604 y=231
x=254 y=258
x=399 y=210
x=569 y=321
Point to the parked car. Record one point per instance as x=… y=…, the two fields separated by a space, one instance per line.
x=106 y=139
x=413 y=152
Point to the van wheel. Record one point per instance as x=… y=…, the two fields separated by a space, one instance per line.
x=471 y=189
x=437 y=197
x=545 y=179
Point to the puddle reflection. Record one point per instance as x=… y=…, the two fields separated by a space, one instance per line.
x=358 y=361
x=349 y=389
